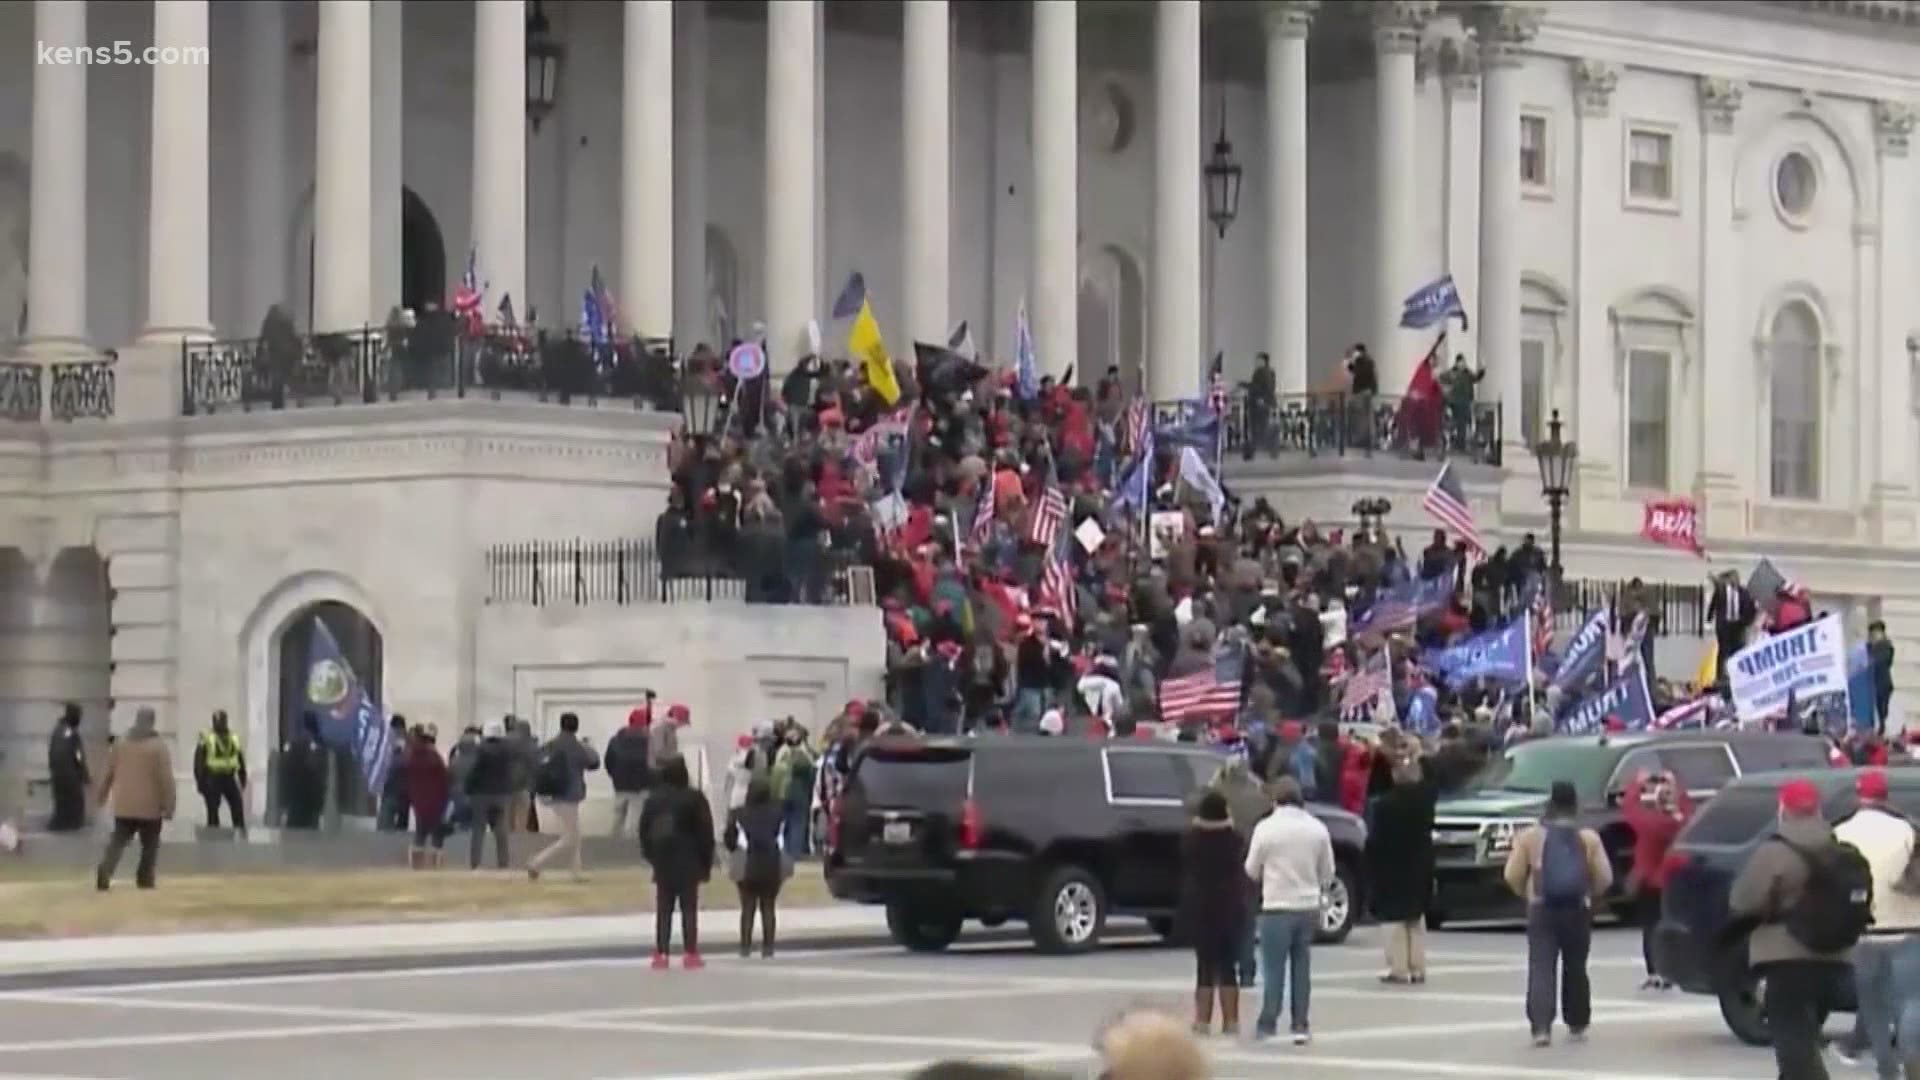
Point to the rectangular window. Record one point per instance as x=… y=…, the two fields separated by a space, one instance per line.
x=1533 y=380
x=1535 y=165
x=1650 y=166
x=1796 y=439
x=1647 y=408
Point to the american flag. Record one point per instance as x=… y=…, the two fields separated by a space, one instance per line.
x=1212 y=691
x=1448 y=505
x=1333 y=667
x=1217 y=385
x=982 y=530
x=1364 y=687
x=1693 y=714
x=1048 y=517
x=867 y=445
x=1629 y=645
x=1137 y=419
x=468 y=296
x=1057 y=591
x=604 y=324
x=1540 y=609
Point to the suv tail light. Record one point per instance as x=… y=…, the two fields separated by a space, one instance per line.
x=973 y=830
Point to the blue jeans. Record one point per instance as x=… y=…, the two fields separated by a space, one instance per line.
x=1286 y=957
x=1886 y=978
x=795 y=827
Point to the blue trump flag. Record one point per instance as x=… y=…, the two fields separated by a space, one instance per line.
x=1188 y=422
x=1423 y=712
x=349 y=716
x=1504 y=655
x=1585 y=658
x=1432 y=304
x=1626 y=697
x=1860 y=697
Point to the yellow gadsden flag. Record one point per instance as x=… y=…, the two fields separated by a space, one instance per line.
x=863 y=342
x=1704 y=676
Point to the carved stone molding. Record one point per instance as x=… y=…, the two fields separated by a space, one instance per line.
x=1459 y=63
x=1291 y=18
x=1594 y=82
x=1720 y=102
x=1397 y=24
x=1503 y=29
x=1892 y=126
x=1812 y=522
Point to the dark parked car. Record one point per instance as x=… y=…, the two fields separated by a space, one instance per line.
x=1698 y=944
x=1473 y=829
x=1057 y=833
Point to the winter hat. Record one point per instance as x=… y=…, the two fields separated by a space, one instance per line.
x=639 y=718
x=1800 y=798
x=1213 y=808
x=1872 y=784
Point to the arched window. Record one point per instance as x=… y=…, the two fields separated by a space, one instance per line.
x=1793 y=354
x=1113 y=324
x=723 y=290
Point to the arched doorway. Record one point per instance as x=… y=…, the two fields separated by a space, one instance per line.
x=1113 y=330
x=321 y=634
x=423 y=254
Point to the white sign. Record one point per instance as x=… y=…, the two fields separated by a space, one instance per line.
x=746 y=361
x=1165 y=529
x=1806 y=662
x=1090 y=535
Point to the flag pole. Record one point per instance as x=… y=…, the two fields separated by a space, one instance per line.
x=1526 y=645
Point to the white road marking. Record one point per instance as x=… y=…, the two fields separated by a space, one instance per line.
x=891 y=1070
x=194 y=1038
x=1307 y=1060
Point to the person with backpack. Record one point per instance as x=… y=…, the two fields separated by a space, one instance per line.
x=560 y=780
x=1810 y=897
x=677 y=838
x=1885 y=839
x=1559 y=869
x=629 y=770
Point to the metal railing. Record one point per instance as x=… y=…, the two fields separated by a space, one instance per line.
x=20 y=391
x=1317 y=425
x=370 y=365
x=1679 y=609
x=624 y=572
x=81 y=389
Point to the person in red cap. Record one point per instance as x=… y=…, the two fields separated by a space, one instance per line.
x=626 y=762
x=1656 y=807
x=1788 y=888
x=1886 y=840
x=663 y=740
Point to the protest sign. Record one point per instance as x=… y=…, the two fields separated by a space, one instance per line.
x=1808 y=662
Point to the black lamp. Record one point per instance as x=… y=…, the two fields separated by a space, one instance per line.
x=1556 y=457
x=543 y=65
x=700 y=403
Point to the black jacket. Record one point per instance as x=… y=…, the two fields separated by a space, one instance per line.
x=676 y=836
x=761 y=824
x=626 y=760
x=493 y=772
x=1400 y=851
x=1213 y=883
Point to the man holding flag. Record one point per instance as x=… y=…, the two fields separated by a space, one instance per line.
x=864 y=343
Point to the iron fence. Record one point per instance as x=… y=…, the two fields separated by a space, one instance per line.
x=375 y=364
x=81 y=389
x=1678 y=609
x=1317 y=425
x=20 y=391
x=623 y=572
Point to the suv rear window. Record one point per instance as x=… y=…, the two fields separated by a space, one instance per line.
x=918 y=776
x=1148 y=774
x=1734 y=817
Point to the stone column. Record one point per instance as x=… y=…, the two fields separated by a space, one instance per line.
x=1894 y=483
x=1288 y=25
x=1053 y=304
x=343 y=168
x=178 y=204
x=1599 y=403
x=1726 y=392
x=791 y=150
x=265 y=210
x=1502 y=30
x=1460 y=80
x=388 y=217
x=1396 y=169
x=690 y=177
x=927 y=169
x=1174 y=364
x=646 y=170
x=57 y=227
x=500 y=151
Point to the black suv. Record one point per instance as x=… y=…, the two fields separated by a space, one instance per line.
x=1698 y=944
x=1473 y=829
x=1058 y=833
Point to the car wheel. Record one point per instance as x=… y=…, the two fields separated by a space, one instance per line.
x=922 y=930
x=1069 y=913
x=1740 y=1006
x=1339 y=908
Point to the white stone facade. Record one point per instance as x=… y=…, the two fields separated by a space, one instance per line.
x=1698 y=247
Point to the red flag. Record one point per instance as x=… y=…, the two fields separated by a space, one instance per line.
x=1672 y=522
x=1419 y=415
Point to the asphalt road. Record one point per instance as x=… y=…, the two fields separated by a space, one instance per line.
x=860 y=1013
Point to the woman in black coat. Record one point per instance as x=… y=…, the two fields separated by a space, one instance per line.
x=756 y=862
x=676 y=836
x=1400 y=866
x=1213 y=910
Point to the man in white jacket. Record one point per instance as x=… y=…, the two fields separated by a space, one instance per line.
x=1886 y=840
x=1291 y=858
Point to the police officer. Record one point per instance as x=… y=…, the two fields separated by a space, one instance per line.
x=67 y=769
x=220 y=772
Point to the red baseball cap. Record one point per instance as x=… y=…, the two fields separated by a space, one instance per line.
x=1872 y=784
x=1800 y=797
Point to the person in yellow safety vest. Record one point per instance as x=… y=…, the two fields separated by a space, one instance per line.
x=220 y=772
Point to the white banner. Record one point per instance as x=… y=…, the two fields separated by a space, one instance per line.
x=1806 y=662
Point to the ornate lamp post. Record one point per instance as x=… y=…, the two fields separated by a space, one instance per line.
x=700 y=403
x=1372 y=512
x=1223 y=180
x=544 y=53
x=1556 y=458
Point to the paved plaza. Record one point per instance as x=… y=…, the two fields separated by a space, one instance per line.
x=861 y=1012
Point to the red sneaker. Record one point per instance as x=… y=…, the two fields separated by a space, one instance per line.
x=692 y=961
x=661 y=961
